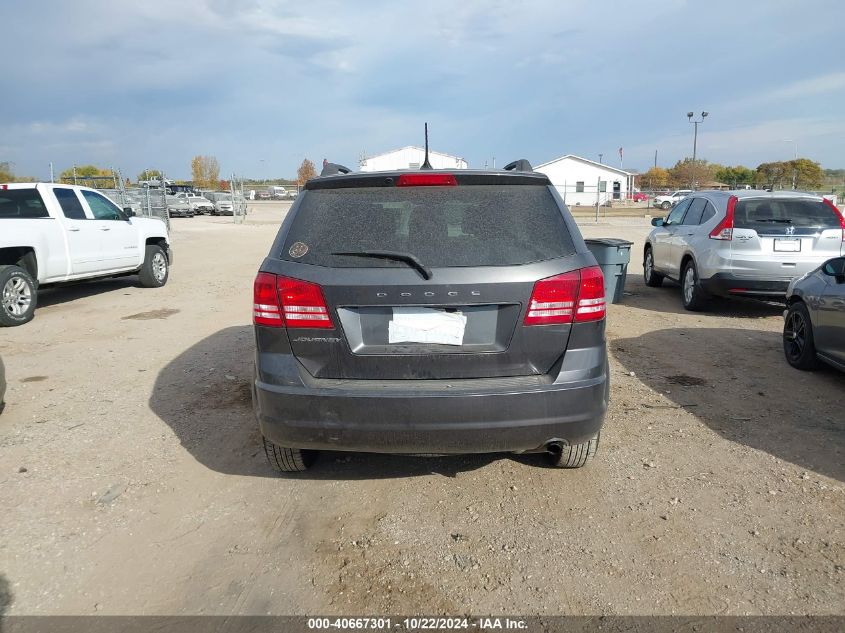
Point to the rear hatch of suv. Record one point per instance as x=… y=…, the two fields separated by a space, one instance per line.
x=784 y=237
x=427 y=276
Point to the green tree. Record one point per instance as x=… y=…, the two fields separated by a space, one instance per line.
x=808 y=174
x=734 y=176
x=685 y=172
x=205 y=171
x=87 y=175
x=149 y=174
x=306 y=171
x=774 y=175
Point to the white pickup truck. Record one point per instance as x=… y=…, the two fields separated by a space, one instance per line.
x=51 y=234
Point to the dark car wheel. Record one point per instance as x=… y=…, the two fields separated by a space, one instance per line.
x=576 y=455
x=18 y=296
x=652 y=279
x=798 y=344
x=692 y=294
x=288 y=460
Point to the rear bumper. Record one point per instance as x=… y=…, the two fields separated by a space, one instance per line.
x=477 y=415
x=406 y=422
x=728 y=285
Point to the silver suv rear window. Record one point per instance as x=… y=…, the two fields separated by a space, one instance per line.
x=772 y=215
x=478 y=225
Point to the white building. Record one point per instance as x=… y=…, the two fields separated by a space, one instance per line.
x=581 y=182
x=411 y=157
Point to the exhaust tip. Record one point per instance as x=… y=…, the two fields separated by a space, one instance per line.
x=554 y=448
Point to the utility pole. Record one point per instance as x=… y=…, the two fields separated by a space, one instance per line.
x=655 y=159
x=695 y=143
x=51 y=172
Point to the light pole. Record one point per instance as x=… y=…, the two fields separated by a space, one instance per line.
x=794 y=167
x=690 y=116
x=600 y=157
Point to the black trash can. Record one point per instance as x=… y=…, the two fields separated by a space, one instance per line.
x=613 y=256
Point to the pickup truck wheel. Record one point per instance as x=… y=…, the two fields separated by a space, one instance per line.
x=576 y=455
x=156 y=268
x=288 y=460
x=18 y=296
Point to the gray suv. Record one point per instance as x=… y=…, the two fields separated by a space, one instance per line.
x=741 y=243
x=430 y=312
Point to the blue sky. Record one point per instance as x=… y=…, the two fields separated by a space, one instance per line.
x=261 y=84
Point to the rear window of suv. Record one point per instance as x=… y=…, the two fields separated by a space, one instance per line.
x=478 y=225
x=771 y=215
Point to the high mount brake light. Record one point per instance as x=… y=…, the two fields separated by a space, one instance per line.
x=284 y=302
x=725 y=229
x=574 y=296
x=838 y=214
x=427 y=180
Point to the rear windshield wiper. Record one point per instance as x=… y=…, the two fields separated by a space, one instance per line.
x=408 y=258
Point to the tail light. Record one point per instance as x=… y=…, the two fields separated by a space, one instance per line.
x=427 y=180
x=574 y=296
x=725 y=229
x=838 y=214
x=292 y=303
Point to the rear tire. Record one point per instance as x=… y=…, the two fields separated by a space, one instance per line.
x=576 y=455
x=799 y=347
x=156 y=267
x=693 y=296
x=652 y=279
x=288 y=460
x=665 y=205
x=18 y=296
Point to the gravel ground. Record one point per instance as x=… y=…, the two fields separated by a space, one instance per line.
x=132 y=481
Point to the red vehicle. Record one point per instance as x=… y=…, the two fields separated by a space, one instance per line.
x=639 y=196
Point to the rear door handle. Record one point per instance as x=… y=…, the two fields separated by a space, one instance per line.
x=105 y=228
x=73 y=228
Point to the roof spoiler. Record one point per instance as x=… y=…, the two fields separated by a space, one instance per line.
x=333 y=169
x=519 y=165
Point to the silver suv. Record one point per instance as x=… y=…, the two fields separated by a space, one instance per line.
x=749 y=243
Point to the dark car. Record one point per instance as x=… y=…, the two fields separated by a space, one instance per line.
x=814 y=323
x=430 y=312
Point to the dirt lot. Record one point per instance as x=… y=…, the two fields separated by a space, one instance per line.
x=131 y=479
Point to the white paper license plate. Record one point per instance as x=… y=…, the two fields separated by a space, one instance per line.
x=426 y=325
x=787 y=245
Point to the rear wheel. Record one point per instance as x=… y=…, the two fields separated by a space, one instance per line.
x=798 y=343
x=576 y=455
x=665 y=205
x=17 y=296
x=288 y=460
x=652 y=278
x=155 y=269
x=692 y=294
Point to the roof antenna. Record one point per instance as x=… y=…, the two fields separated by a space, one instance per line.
x=426 y=164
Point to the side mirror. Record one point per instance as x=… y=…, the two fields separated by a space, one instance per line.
x=129 y=212
x=657 y=222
